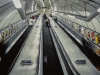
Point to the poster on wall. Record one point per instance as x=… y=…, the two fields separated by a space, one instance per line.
x=19 y=23
x=16 y=26
x=0 y=37
x=82 y=30
x=6 y=32
x=88 y=33
x=93 y=35
x=79 y=28
x=9 y=30
x=99 y=37
x=96 y=39
x=74 y=25
x=71 y=24
x=3 y=35
x=85 y=32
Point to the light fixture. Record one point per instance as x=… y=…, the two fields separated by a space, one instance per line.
x=98 y=10
x=17 y=3
x=32 y=7
x=71 y=16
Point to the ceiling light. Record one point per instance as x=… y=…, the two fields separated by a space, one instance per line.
x=17 y=3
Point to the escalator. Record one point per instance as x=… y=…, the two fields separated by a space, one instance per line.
x=5 y=64
x=94 y=58
x=51 y=63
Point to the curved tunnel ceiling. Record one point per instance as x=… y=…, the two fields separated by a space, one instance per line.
x=79 y=8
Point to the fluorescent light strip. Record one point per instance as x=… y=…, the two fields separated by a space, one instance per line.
x=98 y=10
x=32 y=7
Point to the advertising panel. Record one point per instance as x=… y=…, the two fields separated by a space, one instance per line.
x=93 y=36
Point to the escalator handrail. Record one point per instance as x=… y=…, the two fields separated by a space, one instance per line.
x=40 y=69
x=75 y=72
x=20 y=50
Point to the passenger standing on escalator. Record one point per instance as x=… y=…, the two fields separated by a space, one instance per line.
x=47 y=22
x=55 y=19
x=44 y=16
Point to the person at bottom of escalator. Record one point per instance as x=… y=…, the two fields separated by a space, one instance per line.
x=47 y=22
x=44 y=17
x=86 y=45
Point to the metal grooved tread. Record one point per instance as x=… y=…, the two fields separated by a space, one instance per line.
x=7 y=61
x=51 y=64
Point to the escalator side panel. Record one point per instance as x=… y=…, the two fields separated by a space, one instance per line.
x=7 y=61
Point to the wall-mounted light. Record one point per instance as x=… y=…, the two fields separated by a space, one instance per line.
x=71 y=16
x=17 y=3
x=98 y=10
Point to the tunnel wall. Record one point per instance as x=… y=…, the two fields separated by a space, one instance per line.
x=8 y=15
x=3 y=2
x=75 y=34
x=10 y=21
x=82 y=8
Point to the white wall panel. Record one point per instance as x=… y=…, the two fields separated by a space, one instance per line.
x=79 y=22
x=3 y=2
x=18 y=18
x=15 y=19
x=6 y=18
x=96 y=24
x=6 y=12
x=84 y=23
x=9 y=20
x=90 y=25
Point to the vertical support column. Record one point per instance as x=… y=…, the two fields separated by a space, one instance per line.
x=20 y=9
x=22 y=13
